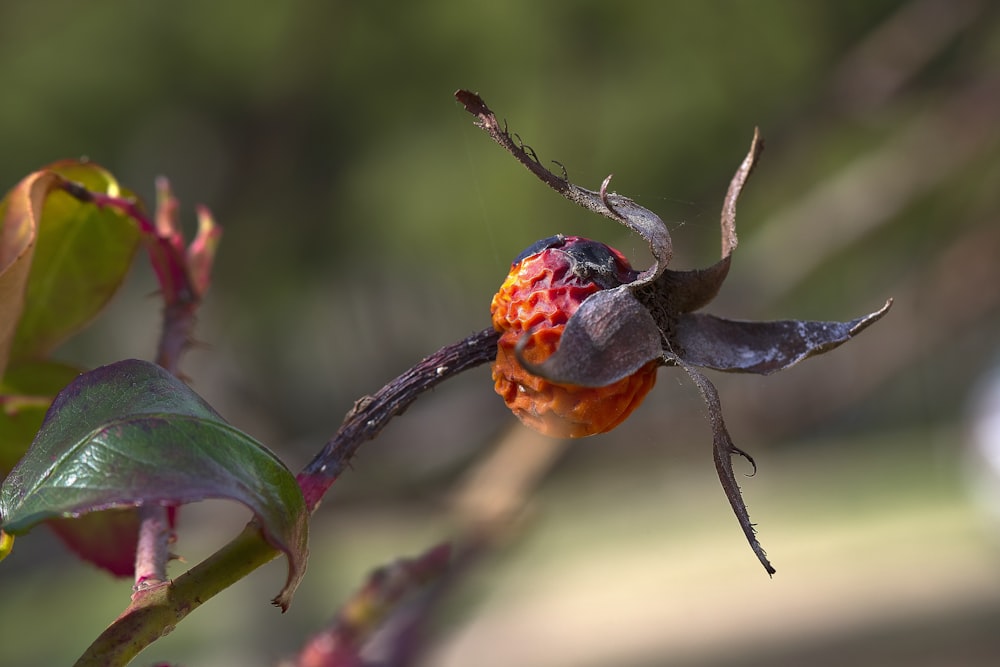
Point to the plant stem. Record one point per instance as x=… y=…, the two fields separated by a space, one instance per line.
x=370 y=414
x=158 y=610
x=178 y=330
x=152 y=552
x=152 y=547
x=155 y=613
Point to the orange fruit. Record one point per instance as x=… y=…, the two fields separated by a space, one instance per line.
x=546 y=285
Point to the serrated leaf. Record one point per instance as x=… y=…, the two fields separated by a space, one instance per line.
x=130 y=433
x=81 y=257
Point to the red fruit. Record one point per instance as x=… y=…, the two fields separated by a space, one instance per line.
x=545 y=287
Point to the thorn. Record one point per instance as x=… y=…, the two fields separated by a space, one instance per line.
x=195 y=344
x=565 y=174
x=736 y=450
x=531 y=153
x=604 y=197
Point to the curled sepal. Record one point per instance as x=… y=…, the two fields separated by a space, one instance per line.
x=733 y=194
x=723 y=450
x=640 y=220
x=761 y=347
x=621 y=209
x=129 y=434
x=609 y=337
x=690 y=290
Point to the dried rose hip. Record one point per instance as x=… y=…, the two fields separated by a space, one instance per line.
x=546 y=285
x=627 y=323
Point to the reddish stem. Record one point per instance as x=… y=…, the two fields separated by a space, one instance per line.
x=178 y=328
x=167 y=258
x=152 y=547
x=370 y=414
x=181 y=298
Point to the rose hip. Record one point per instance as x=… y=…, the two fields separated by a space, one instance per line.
x=546 y=285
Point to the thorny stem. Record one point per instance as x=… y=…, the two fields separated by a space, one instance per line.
x=152 y=551
x=181 y=299
x=611 y=205
x=723 y=451
x=487 y=120
x=176 y=335
x=370 y=414
x=155 y=531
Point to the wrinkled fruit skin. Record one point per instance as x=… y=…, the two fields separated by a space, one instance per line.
x=546 y=285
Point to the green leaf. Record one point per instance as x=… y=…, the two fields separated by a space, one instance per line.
x=81 y=256
x=130 y=433
x=26 y=391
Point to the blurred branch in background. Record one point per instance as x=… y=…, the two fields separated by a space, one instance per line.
x=387 y=622
x=939 y=140
x=897 y=51
x=876 y=188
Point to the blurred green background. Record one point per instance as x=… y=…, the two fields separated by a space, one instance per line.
x=368 y=223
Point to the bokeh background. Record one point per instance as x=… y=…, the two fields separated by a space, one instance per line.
x=368 y=223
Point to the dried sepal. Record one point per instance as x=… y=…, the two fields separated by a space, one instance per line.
x=609 y=337
x=723 y=450
x=761 y=347
x=640 y=220
x=687 y=291
x=621 y=209
x=733 y=194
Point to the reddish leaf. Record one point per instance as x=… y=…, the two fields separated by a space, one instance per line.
x=106 y=539
x=20 y=211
